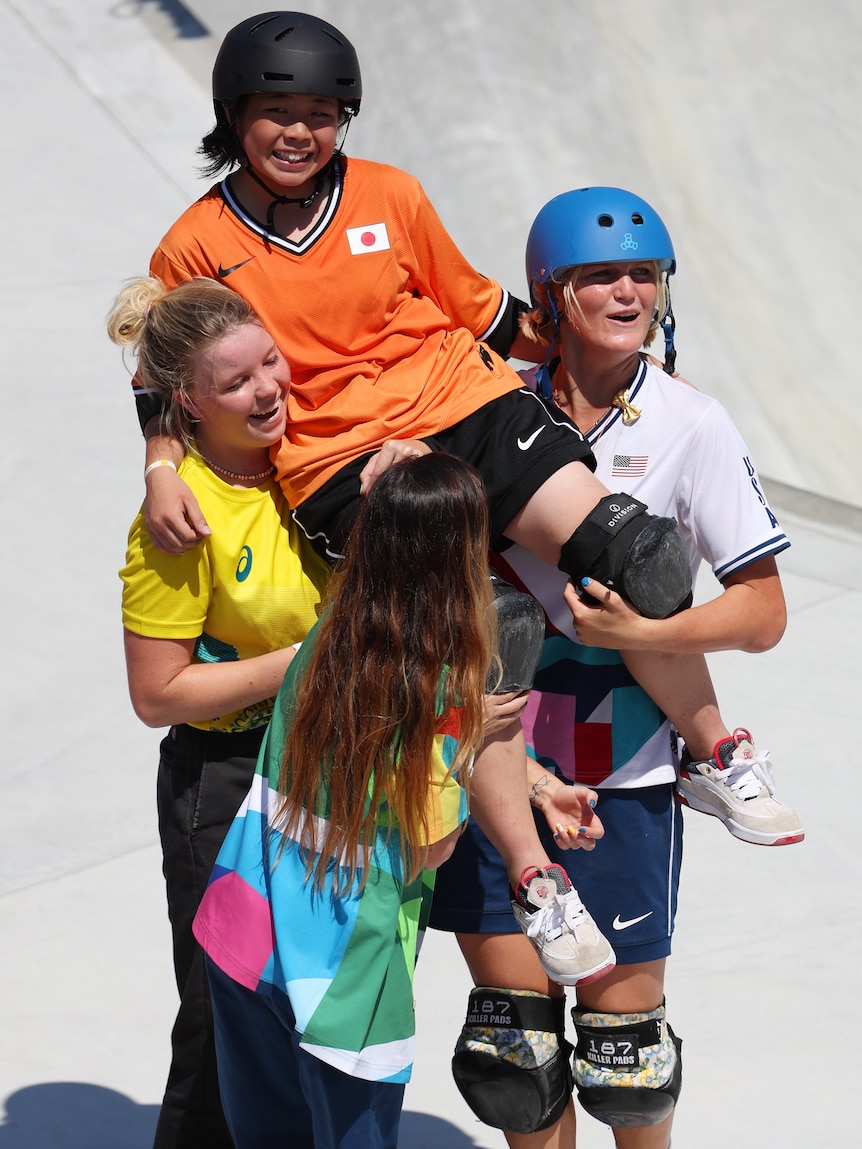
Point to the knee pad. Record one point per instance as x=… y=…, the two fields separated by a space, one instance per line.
x=511 y=1062
x=628 y=1066
x=640 y=556
x=520 y=636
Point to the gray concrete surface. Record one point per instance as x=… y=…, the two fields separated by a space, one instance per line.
x=742 y=124
x=739 y=121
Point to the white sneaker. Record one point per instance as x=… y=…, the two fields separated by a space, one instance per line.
x=570 y=946
x=736 y=785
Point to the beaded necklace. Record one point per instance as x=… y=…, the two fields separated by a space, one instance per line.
x=236 y=474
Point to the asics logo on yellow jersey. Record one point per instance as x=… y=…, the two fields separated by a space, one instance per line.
x=243 y=567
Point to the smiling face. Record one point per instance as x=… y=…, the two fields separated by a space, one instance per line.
x=239 y=397
x=611 y=305
x=288 y=138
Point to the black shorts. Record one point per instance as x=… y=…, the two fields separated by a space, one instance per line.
x=516 y=443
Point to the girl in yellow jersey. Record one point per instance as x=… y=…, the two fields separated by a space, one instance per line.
x=210 y=633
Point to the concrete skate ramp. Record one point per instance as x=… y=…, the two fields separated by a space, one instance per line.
x=105 y=101
x=740 y=122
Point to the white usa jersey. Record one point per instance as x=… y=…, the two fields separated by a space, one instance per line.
x=587 y=718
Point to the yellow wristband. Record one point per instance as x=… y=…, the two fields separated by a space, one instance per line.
x=160 y=463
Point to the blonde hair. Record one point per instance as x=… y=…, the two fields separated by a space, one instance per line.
x=538 y=324
x=168 y=329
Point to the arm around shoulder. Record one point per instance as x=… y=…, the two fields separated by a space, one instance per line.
x=173 y=516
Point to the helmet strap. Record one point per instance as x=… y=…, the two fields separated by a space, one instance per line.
x=668 y=326
x=346 y=126
x=278 y=200
x=543 y=375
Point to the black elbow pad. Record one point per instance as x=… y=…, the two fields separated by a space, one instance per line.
x=639 y=555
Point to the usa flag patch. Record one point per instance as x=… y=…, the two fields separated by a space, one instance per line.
x=372 y=237
x=629 y=465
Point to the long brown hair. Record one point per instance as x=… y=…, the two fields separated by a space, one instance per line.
x=412 y=598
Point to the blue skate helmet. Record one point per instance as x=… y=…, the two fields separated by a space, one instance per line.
x=598 y=225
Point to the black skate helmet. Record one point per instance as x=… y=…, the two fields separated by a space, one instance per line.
x=286 y=52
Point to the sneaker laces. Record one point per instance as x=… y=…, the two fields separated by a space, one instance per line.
x=747 y=777
x=562 y=910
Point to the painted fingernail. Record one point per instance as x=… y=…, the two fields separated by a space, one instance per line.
x=582 y=830
x=593 y=803
x=585 y=581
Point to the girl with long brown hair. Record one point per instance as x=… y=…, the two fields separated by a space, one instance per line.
x=309 y=922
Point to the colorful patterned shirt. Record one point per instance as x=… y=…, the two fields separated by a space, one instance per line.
x=345 y=961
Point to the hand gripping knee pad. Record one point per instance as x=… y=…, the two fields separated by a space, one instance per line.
x=640 y=556
x=511 y=1062
x=520 y=636
x=628 y=1066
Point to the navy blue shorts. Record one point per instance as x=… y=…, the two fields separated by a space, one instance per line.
x=516 y=443
x=629 y=882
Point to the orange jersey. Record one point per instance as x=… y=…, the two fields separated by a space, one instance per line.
x=376 y=311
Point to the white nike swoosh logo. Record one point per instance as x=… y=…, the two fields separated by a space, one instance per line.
x=526 y=444
x=621 y=925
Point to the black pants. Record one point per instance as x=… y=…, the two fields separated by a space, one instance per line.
x=202 y=781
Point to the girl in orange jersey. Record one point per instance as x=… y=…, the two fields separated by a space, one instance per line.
x=390 y=333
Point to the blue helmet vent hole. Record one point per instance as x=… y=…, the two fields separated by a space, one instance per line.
x=637 y=218
x=606 y=221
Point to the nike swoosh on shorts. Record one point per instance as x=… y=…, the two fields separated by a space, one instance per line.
x=621 y=925
x=526 y=444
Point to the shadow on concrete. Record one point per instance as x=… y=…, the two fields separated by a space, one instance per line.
x=76 y=1115
x=184 y=23
x=423 y=1131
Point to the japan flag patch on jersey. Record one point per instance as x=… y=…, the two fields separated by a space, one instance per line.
x=373 y=237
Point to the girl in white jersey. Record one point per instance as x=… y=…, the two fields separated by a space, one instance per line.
x=597 y=263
